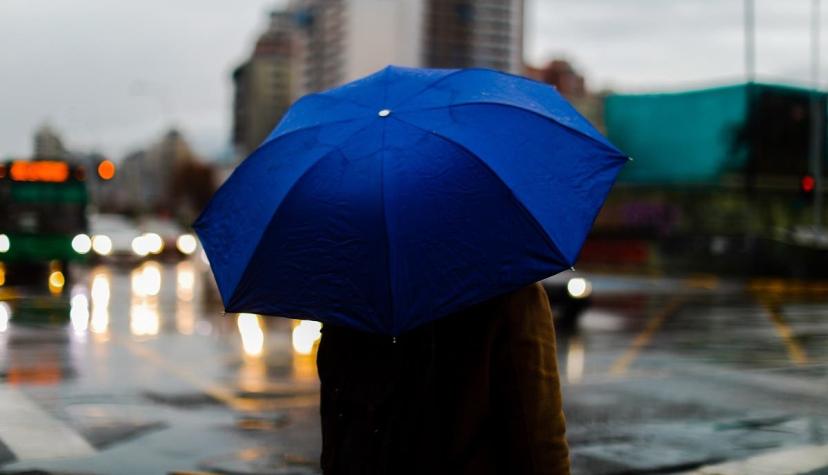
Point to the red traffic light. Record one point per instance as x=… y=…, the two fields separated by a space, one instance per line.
x=807 y=184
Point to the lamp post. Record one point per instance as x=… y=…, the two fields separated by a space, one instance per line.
x=817 y=114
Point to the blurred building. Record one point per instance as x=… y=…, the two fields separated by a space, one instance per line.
x=267 y=83
x=48 y=144
x=167 y=178
x=571 y=84
x=561 y=74
x=313 y=45
x=469 y=33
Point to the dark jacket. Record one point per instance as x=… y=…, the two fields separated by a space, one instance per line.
x=474 y=393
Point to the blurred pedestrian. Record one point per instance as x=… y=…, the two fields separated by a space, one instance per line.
x=476 y=393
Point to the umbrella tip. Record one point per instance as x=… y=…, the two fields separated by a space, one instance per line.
x=384 y=113
x=572 y=268
x=630 y=159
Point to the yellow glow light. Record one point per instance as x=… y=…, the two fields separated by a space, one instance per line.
x=56 y=282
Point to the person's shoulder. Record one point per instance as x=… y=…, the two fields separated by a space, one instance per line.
x=531 y=293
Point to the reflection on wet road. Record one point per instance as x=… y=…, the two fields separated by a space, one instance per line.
x=146 y=375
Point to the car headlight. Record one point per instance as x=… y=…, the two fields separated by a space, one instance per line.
x=140 y=246
x=102 y=244
x=154 y=243
x=578 y=288
x=186 y=244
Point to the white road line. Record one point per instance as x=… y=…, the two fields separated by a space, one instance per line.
x=30 y=433
x=801 y=459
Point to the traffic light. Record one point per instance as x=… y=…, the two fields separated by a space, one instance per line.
x=806 y=187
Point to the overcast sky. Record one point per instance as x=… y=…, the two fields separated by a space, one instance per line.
x=112 y=75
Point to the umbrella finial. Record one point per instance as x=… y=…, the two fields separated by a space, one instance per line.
x=384 y=113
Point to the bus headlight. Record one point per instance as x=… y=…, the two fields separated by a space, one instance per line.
x=186 y=244
x=5 y=244
x=102 y=244
x=81 y=243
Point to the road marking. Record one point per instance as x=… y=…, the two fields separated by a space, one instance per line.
x=786 y=462
x=622 y=364
x=795 y=350
x=31 y=433
x=221 y=393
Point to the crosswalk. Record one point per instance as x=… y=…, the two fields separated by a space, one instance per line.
x=31 y=433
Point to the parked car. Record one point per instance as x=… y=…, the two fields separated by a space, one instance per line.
x=570 y=293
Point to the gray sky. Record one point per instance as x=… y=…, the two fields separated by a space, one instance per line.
x=112 y=75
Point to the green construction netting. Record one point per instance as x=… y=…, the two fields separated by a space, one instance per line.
x=687 y=137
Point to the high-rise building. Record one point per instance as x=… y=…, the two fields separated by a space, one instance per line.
x=266 y=84
x=313 y=45
x=474 y=33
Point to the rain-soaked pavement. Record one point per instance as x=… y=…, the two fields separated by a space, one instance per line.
x=691 y=375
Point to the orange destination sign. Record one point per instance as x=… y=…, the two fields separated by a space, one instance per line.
x=51 y=171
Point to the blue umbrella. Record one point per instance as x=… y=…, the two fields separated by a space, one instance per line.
x=406 y=196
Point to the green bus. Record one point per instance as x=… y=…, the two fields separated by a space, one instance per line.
x=43 y=224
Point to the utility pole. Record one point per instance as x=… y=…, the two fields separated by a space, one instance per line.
x=750 y=41
x=817 y=114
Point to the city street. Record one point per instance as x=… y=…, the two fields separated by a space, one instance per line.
x=680 y=375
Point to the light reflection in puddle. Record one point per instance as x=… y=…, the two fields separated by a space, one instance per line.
x=250 y=329
x=146 y=279
x=79 y=313
x=144 y=316
x=575 y=359
x=100 y=293
x=185 y=314
x=305 y=335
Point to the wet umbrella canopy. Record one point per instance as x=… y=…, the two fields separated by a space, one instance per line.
x=405 y=196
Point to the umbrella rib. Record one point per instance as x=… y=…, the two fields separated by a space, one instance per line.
x=512 y=106
x=286 y=195
x=532 y=220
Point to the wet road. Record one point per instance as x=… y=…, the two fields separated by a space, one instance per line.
x=661 y=376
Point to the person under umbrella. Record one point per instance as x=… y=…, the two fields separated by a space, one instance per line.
x=412 y=212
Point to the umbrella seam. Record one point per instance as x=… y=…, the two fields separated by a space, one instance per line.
x=615 y=153
x=451 y=73
x=286 y=195
x=304 y=129
x=385 y=213
x=527 y=215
